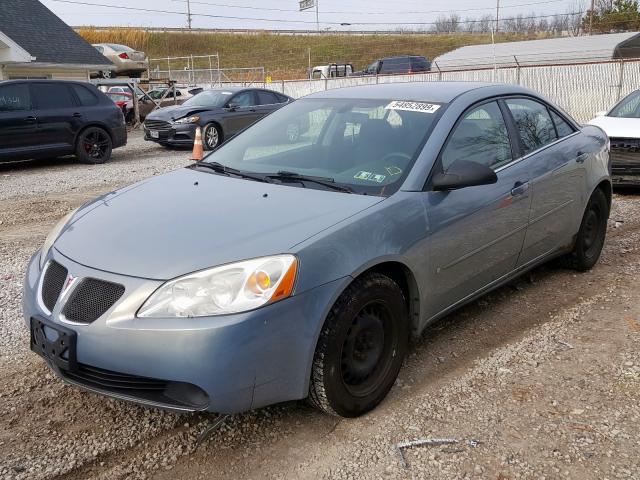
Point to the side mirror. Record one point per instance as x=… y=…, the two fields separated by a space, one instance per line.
x=232 y=107
x=463 y=173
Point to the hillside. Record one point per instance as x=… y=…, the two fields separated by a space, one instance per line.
x=287 y=56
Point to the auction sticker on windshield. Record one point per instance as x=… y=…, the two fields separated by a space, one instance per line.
x=413 y=106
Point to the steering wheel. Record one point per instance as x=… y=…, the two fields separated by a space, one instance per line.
x=396 y=154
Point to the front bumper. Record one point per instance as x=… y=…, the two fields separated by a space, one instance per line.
x=625 y=161
x=174 y=135
x=225 y=364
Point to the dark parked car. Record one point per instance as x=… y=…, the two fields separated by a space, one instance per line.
x=399 y=65
x=221 y=113
x=49 y=118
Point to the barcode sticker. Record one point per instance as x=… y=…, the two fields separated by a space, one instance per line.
x=422 y=107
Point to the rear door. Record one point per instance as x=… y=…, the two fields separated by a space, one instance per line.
x=477 y=232
x=549 y=145
x=18 y=124
x=60 y=117
x=242 y=112
x=267 y=102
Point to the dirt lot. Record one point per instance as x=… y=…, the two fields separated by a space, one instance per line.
x=541 y=379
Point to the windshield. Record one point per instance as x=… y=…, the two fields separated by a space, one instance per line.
x=366 y=145
x=157 y=94
x=629 y=107
x=120 y=48
x=119 y=97
x=209 y=98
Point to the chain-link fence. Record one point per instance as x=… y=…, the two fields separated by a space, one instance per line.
x=581 y=89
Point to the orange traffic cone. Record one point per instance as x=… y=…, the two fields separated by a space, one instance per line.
x=198 y=150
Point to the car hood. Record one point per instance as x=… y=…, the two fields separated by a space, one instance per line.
x=618 y=127
x=188 y=220
x=175 y=112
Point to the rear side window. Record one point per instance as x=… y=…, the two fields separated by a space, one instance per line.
x=481 y=136
x=50 y=96
x=15 y=97
x=562 y=127
x=533 y=122
x=397 y=64
x=86 y=96
x=419 y=63
x=266 y=98
x=282 y=98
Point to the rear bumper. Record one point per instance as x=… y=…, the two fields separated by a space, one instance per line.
x=119 y=136
x=176 y=135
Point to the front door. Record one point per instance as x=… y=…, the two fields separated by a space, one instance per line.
x=18 y=122
x=242 y=112
x=477 y=232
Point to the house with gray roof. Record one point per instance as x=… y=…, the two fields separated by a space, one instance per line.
x=35 y=43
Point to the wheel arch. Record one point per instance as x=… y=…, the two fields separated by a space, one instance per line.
x=607 y=189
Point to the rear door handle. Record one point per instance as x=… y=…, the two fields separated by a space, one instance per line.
x=520 y=188
x=31 y=119
x=582 y=157
x=77 y=115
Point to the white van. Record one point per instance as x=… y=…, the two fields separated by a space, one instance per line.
x=333 y=70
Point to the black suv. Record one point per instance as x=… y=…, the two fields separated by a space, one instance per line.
x=50 y=118
x=402 y=64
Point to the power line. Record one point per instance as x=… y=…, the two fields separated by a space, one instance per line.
x=404 y=12
x=274 y=20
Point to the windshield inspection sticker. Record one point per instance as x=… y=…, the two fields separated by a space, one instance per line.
x=370 y=176
x=422 y=107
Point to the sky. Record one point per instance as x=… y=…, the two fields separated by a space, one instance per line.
x=284 y=14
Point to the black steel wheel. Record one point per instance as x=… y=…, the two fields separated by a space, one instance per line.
x=361 y=347
x=94 y=146
x=592 y=233
x=211 y=136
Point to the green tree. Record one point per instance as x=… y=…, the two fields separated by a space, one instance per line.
x=612 y=16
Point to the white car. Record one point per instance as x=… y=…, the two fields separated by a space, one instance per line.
x=622 y=125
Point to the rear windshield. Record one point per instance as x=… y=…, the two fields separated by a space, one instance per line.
x=209 y=98
x=367 y=145
x=120 y=48
x=629 y=107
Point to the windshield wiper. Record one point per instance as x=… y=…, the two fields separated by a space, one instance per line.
x=220 y=168
x=297 y=177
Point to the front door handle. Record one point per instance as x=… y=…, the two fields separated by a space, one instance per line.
x=582 y=157
x=31 y=119
x=77 y=115
x=520 y=188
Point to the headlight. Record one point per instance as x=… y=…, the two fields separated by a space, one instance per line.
x=182 y=121
x=53 y=236
x=232 y=288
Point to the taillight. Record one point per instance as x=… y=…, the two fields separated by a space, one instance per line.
x=124 y=56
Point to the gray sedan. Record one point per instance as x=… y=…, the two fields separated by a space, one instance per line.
x=277 y=270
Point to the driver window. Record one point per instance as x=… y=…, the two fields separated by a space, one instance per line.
x=480 y=137
x=244 y=99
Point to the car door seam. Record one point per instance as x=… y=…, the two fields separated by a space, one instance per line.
x=552 y=211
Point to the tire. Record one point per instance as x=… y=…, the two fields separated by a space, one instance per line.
x=211 y=136
x=94 y=146
x=592 y=233
x=361 y=347
x=108 y=74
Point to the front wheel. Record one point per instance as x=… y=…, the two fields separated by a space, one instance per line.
x=361 y=347
x=592 y=233
x=94 y=146
x=211 y=136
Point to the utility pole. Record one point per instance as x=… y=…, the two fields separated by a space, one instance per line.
x=317 y=18
x=189 y=13
x=593 y=6
x=497 y=14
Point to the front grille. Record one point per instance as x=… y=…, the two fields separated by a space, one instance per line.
x=157 y=125
x=625 y=154
x=100 y=378
x=52 y=284
x=91 y=299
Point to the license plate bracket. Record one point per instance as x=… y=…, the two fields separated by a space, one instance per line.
x=55 y=343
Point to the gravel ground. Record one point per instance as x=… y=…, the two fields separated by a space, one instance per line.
x=540 y=379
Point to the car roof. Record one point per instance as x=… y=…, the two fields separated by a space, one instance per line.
x=43 y=80
x=442 y=92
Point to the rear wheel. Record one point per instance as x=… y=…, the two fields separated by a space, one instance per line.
x=592 y=233
x=211 y=136
x=94 y=146
x=361 y=347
